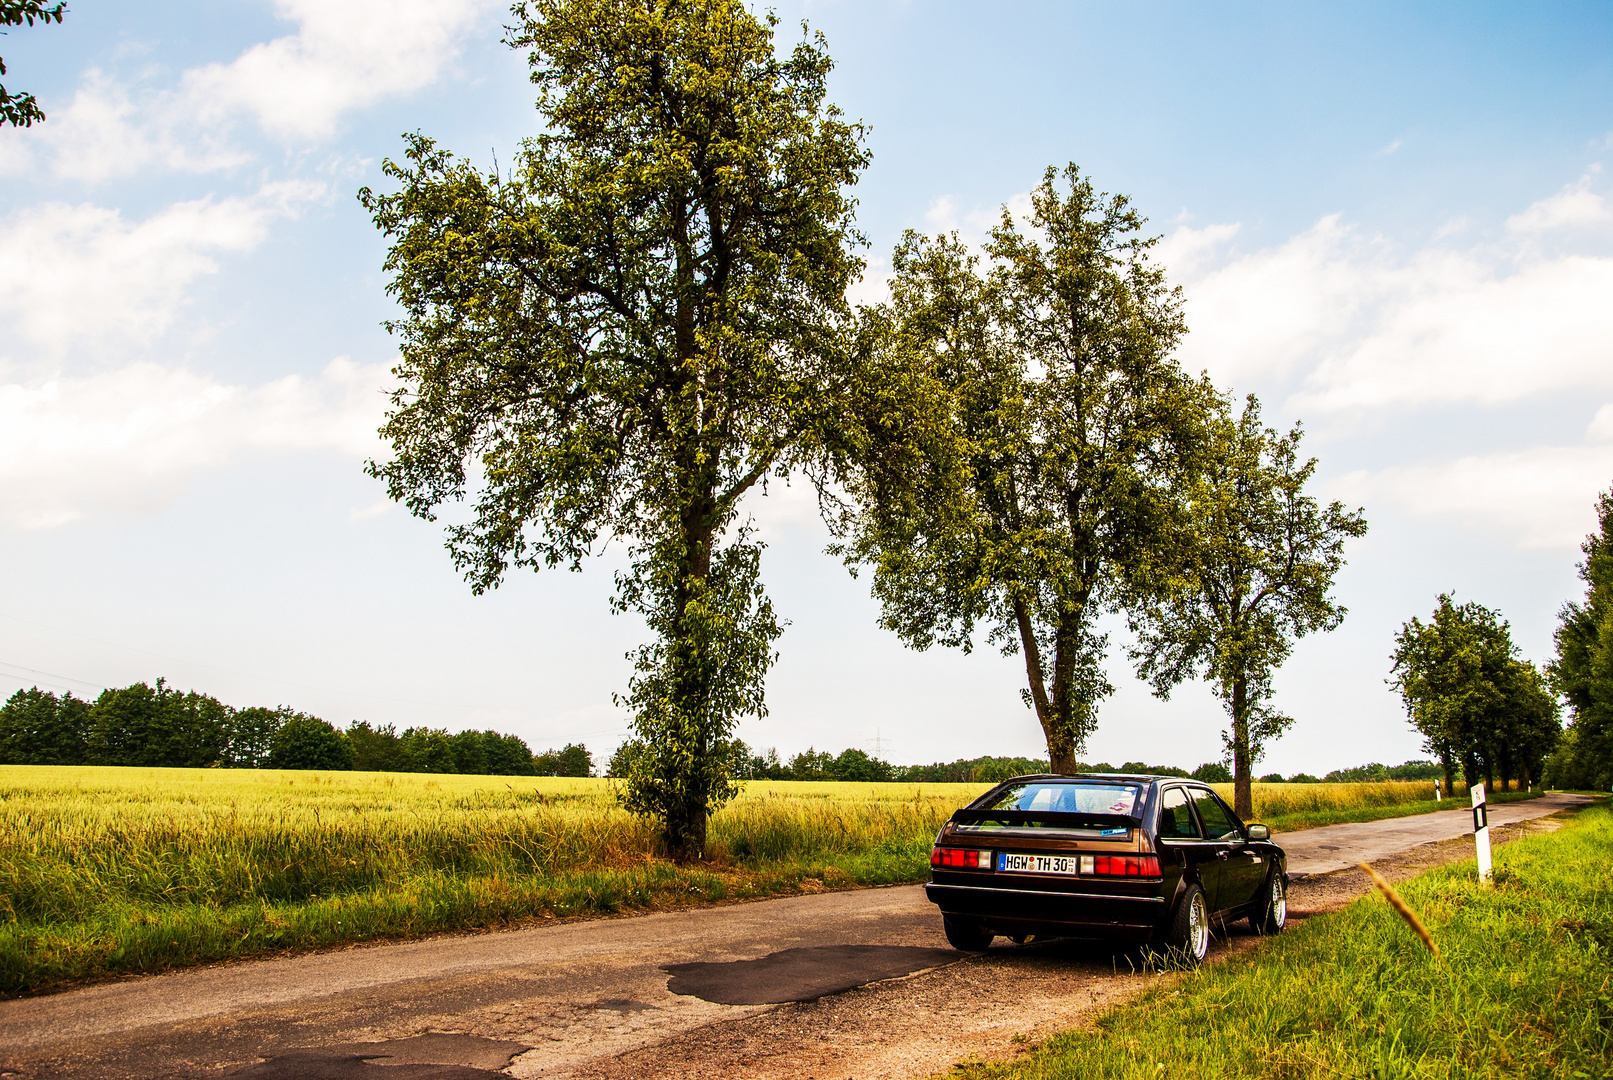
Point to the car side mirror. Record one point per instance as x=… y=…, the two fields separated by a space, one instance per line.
x=1259 y=832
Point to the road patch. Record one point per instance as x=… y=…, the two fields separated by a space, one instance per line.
x=804 y=974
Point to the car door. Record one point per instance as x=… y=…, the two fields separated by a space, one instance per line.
x=1180 y=837
x=1224 y=842
x=1246 y=867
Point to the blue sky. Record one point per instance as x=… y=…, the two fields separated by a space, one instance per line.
x=1390 y=221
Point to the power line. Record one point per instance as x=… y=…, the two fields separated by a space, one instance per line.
x=259 y=678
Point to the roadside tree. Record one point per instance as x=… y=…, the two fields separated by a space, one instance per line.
x=1056 y=429
x=1256 y=562
x=1583 y=669
x=625 y=334
x=1474 y=701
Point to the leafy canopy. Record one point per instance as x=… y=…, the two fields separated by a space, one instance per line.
x=1256 y=562
x=1033 y=490
x=1583 y=669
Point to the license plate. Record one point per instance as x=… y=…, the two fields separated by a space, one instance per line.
x=1036 y=864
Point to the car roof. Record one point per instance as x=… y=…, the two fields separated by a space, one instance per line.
x=1136 y=778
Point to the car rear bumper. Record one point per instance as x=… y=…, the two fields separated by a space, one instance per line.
x=1045 y=911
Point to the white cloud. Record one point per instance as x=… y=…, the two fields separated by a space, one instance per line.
x=85 y=276
x=1543 y=497
x=1264 y=313
x=1601 y=429
x=1391 y=147
x=128 y=440
x=343 y=57
x=1576 y=206
x=1367 y=328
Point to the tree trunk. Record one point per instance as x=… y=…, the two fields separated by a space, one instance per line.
x=685 y=814
x=1450 y=774
x=1060 y=749
x=1242 y=794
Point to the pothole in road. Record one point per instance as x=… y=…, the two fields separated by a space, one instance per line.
x=804 y=974
x=435 y=1056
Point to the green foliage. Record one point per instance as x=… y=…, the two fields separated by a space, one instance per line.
x=1583 y=670
x=1471 y=697
x=1142 y=768
x=1028 y=488
x=1410 y=770
x=157 y=726
x=1257 y=560
x=980 y=770
x=377 y=748
x=251 y=736
x=573 y=759
x=307 y=742
x=636 y=325
x=38 y=728
x=22 y=110
x=427 y=750
x=1215 y=772
x=1522 y=991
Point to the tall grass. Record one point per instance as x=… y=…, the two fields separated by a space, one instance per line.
x=1524 y=988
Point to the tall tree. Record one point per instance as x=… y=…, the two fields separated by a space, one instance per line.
x=1583 y=669
x=1528 y=726
x=1257 y=561
x=157 y=726
x=1057 y=424
x=38 y=728
x=22 y=110
x=636 y=326
x=1452 y=673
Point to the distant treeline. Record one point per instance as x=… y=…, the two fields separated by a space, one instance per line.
x=856 y=765
x=157 y=726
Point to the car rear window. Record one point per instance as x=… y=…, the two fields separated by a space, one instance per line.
x=1066 y=798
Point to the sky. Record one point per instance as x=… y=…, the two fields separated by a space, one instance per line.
x=1390 y=221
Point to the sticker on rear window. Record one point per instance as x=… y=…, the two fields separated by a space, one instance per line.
x=1115 y=832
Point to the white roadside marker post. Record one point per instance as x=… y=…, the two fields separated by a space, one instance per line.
x=1436 y=791
x=1481 y=832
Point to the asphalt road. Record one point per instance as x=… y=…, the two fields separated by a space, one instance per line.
x=566 y=999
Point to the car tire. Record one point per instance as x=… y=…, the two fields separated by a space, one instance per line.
x=965 y=936
x=1272 y=913
x=1188 y=937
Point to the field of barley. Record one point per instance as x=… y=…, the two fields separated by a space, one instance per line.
x=106 y=870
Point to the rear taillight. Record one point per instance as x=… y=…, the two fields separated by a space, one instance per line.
x=952 y=858
x=1120 y=865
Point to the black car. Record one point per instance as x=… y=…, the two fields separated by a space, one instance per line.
x=1148 y=859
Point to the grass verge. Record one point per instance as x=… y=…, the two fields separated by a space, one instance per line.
x=1525 y=988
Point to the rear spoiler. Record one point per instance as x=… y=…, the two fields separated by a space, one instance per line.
x=1015 y=819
